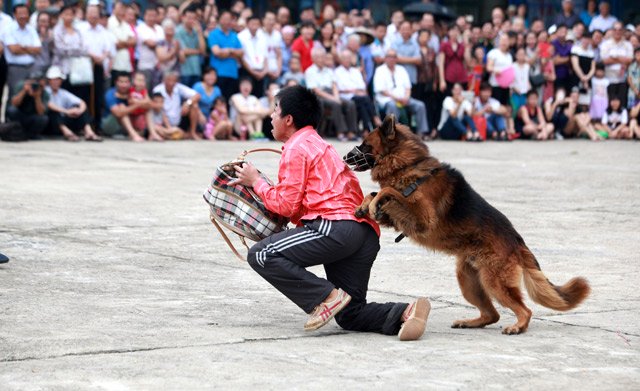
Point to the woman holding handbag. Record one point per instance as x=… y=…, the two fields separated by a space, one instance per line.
x=71 y=56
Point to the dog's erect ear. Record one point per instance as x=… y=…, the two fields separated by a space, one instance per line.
x=388 y=127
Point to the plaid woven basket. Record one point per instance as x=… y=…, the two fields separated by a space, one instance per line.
x=238 y=209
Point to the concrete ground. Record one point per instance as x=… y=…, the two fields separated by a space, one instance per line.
x=117 y=280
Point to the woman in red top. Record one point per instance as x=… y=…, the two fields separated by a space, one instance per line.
x=304 y=43
x=451 y=60
x=319 y=193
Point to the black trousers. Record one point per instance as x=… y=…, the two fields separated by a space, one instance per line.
x=347 y=249
x=228 y=86
x=33 y=124
x=98 y=95
x=366 y=111
x=75 y=124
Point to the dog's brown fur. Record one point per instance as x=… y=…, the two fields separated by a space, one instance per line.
x=446 y=214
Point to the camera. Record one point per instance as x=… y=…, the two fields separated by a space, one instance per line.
x=35 y=86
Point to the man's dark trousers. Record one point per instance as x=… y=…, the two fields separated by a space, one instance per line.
x=347 y=249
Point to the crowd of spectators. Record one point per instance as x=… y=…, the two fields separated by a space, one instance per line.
x=198 y=72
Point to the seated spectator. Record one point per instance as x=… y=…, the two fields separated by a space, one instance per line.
x=455 y=120
x=634 y=124
x=393 y=92
x=615 y=121
x=294 y=71
x=493 y=112
x=320 y=79
x=208 y=91
x=219 y=127
x=268 y=101
x=180 y=104
x=568 y=118
x=247 y=112
x=118 y=110
x=530 y=122
x=160 y=122
x=138 y=93
x=29 y=105
x=67 y=112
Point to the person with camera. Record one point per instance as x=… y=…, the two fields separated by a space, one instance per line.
x=67 y=112
x=28 y=106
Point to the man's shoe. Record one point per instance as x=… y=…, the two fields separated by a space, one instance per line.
x=324 y=312
x=3 y=258
x=416 y=321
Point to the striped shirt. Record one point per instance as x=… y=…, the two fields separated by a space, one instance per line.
x=313 y=182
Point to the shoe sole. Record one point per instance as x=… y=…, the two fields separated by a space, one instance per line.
x=414 y=327
x=337 y=310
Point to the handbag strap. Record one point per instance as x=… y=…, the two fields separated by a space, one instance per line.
x=226 y=239
x=245 y=153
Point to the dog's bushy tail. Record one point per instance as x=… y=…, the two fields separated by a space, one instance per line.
x=543 y=292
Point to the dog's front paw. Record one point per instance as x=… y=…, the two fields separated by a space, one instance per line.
x=363 y=210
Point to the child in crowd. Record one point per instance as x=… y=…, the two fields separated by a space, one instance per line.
x=219 y=127
x=139 y=93
x=633 y=78
x=549 y=73
x=160 y=121
x=530 y=122
x=521 y=84
x=247 y=112
x=476 y=74
x=294 y=72
x=599 y=97
x=615 y=121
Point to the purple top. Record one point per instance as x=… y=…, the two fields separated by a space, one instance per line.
x=562 y=71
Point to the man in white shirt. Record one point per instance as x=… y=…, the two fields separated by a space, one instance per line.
x=21 y=45
x=320 y=80
x=392 y=89
x=180 y=103
x=605 y=20
x=101 y=49
x=254 y=59
x=124 y=39
x=617 y=55
x=150 y=33
x=274 y=46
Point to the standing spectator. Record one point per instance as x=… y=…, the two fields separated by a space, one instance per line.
x=283 y=17
x=600 y=96
x=168 y=49
x=320 y=80
x=327 y=38
x=521 y=84
x=351 y=86
x=274 y=47
x=605 y=20
x=304 y=43
x=192 y=47
x=584 y=66
x=28 y=106
x=428 y=22
x=180 y=103
x=408 y=52
x=380 y=44
x=101 y=49
x=633 y=79
x=500 y=69
x=587 y=15
x=254 y=60
x=451 y=62
x=567 y=16
x=597 y=37
x=455 y=120
x=617 y=55
x=393 y=29
x=41 y=8
x=124 y=39
x=427 y=85
x=288 y=34
x=226 y=52
x=67 y=112
x=247 y=112
x=21 y=46
x=149 y=35
x=530 y=122
x=208 y=91
x=393 y=91
x=117 y=116
x=43 y=27
x=562 y=58
x=492 y=111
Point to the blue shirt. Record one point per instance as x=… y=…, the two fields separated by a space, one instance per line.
x=408 y=48
x=226 y=67
x=206 y=101
x=110 y=100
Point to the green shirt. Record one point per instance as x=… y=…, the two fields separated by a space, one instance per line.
x=192 y=64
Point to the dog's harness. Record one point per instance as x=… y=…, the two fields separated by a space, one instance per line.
x=413 y=187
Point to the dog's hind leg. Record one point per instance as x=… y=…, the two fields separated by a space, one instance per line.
x=472 y=290
x=504 y=286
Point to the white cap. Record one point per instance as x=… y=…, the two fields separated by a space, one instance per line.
x=54 y=72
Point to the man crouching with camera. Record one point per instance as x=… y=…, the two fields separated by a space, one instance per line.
x=28 y=106
x=320 y=194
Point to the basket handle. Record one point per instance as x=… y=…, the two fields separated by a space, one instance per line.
x=245 y=153
x=226 y=239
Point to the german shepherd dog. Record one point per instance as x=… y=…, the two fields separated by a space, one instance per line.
x=433 y=204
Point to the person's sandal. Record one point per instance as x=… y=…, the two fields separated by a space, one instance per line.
x=324 y=312
x=416 y=322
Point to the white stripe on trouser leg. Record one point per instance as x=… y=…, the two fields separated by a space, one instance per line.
x=322 y=222
x=285 y=243
x=327 y=229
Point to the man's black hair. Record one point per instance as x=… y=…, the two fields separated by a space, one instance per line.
x=302 y=104
x=254 y=17
x=532 y=92
x=380 y=24
x=157 y=95
x=307 y=23
x=127 y=75
x=485 y=86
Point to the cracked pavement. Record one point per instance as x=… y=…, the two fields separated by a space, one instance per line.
x=118 y=281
